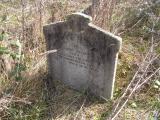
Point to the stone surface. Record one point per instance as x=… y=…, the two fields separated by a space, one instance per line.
x=86 y=55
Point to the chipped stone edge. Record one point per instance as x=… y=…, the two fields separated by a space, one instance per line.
x=83 y=15
x=117 y=38
x=51 y=24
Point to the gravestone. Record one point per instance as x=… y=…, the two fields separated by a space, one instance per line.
x=86 y=55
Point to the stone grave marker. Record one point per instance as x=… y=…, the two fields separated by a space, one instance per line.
x=86 y=56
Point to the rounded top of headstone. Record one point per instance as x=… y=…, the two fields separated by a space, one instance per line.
x=79 y=17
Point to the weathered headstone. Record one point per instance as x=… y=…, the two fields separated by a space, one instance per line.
x=86 y=55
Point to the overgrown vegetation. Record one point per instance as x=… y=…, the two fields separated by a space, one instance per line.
x=24 y=94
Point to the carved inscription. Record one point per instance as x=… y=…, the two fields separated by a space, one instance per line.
x=74 y=53
x=74 y=57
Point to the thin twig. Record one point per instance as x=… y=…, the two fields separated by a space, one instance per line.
x=80 y=109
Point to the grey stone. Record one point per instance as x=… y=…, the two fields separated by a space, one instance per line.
x=86 y=55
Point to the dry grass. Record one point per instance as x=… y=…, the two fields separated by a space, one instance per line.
x=31 y=96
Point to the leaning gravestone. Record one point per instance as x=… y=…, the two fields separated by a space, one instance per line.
x=86 y=55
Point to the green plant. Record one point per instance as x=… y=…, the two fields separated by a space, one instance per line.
x=156 y=85
x=16 y=72
x=3 y=36
x=27 y=112
x=4 y=50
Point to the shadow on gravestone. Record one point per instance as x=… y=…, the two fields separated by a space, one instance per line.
x=86 y=57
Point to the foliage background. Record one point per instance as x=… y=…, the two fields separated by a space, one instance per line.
x=24 y=92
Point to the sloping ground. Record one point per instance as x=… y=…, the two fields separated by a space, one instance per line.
x=68 y=104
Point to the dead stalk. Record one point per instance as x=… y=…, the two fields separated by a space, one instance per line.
x=80 y=109
x=140 y=81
